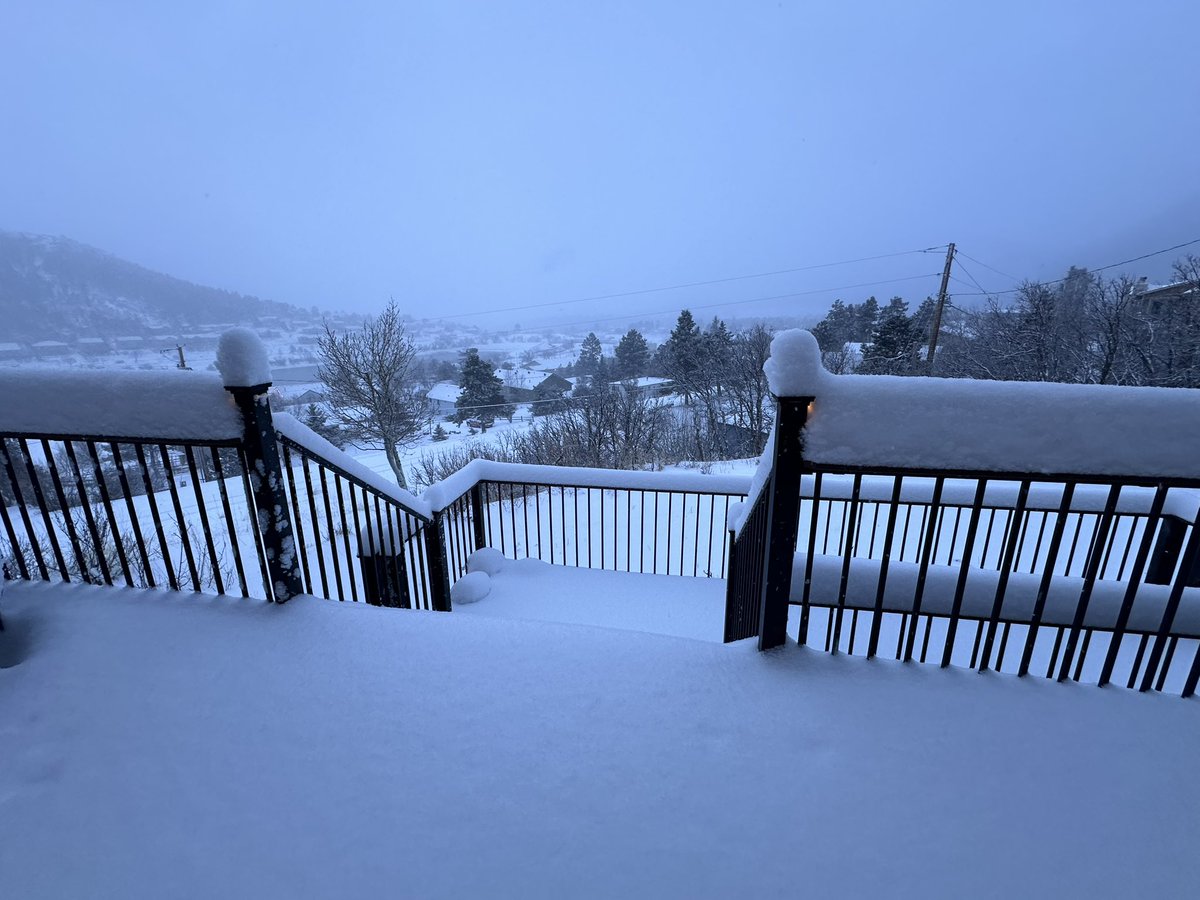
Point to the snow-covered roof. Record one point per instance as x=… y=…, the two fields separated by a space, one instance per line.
x=645 y=382
x=444 y=392
x=522 y=377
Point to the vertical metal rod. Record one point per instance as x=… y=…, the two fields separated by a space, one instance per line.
x=1188 y=563
x=847 y=555
x=88 y=515
x=1039 y=605
x=1092 y=569
x=351 y=569
x=8 y=524
x=332 y=532
x=1135 y=578
x=230 y=527
x=888 y=537
x=202 y=509
x=1007 y=562
x=928 y=549
x=65 y=509
x=963 y=572
x=297 y=517
x=184 y=537
x=106 y=502
x=172 y=580
x=131 y=511
x=44 y=508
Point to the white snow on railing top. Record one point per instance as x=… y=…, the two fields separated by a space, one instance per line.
x=946 y=424
x=299 y=433
x=242 y=359
x=445 y=492
x=166 y=405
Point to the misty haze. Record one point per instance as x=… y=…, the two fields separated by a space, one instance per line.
x=750 y=448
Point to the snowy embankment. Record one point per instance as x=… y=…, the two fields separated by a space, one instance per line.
x=199 y=747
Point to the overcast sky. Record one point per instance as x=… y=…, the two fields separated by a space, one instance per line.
x=467 y=156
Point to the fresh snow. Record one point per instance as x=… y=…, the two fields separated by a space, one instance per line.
x=161 y=745
x=470 y=588
x=242 y=359
x=953 y=424
x=169 y=405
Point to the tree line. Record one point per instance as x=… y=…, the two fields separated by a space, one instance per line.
x=1084 y=328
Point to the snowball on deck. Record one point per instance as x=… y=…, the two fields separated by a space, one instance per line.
x=486 y=559
x=242 y=359
x=471 y=588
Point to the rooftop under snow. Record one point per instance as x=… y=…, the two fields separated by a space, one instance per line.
x=157 y=745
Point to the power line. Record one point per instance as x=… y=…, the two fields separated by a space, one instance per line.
x=1094 y=269
x=687 y=284
x=986 y=266
x=974 y=280
x=718 y=305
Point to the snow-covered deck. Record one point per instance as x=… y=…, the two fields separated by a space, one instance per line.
x=158 y=744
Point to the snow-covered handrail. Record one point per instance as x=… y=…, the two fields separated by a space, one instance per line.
x=301 y=436
x=445 y=492
x=962 y=425
x=168 y=405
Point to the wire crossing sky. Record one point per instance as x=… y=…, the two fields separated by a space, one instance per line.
x=473 y=156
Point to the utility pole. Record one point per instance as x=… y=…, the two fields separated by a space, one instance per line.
x=937 y=313
x=182 y=364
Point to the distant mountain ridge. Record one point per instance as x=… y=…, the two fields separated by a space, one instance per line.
x=54 y=288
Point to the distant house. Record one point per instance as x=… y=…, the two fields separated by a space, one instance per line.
x=306 y=398
x=51 y=348
x=521 y=384
x=647 y=387
x=91 y=346
x=442 y=397
x=10 y=350
x=1155 y=296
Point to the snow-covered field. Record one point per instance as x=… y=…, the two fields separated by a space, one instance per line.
x=173 y=746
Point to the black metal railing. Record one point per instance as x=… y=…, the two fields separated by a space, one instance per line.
x=1077 y=578
x=355 y=541
x=615 y=521
x=129 y=511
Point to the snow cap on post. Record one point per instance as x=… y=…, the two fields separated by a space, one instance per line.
x=242 y=359
x=794 y=368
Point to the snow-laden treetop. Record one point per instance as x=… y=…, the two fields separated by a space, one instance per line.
x=946 y=424
x=242 y=359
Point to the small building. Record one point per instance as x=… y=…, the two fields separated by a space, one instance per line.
x=9 y=350
x=647 y=387
x=47 y=349
x=520 y=384
x=91 y=346
x=305 y=398
x=1155 y=296
x=443 y=398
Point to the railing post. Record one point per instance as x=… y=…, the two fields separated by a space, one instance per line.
x=270 y=500
x=439 y=566
x=242 y=359
x=477 y=510
x=783 y=519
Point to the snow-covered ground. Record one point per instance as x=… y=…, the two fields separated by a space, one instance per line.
x=158 y=745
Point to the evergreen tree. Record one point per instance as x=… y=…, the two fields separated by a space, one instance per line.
x=866 y=320
x=895 y=344
x=590 y=355
x=683 y=354
x=482 y=395
x=632 y=355
x=316 y=419
x=439 y=433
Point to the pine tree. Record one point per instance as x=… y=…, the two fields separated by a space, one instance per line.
x=633 y=355
x=482 y=395
x=316 y=419
x=590 y=355
x=439 y=433
x=683 y=354
x=895 y=344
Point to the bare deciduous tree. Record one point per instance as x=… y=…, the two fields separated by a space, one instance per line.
x=372 y=390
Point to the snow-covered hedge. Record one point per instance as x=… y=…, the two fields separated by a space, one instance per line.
x=993 y=426
x=169 y=405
